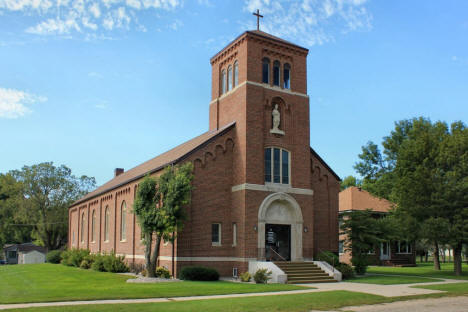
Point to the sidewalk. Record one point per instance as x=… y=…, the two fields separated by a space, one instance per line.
x=381 y=290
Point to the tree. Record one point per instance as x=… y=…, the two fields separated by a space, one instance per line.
x=49 y=191
x=363 y=233
x=159 y=207
x=12 y=229
x=348 y=182
x=423 y=169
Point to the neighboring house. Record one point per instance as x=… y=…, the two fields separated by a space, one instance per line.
x=399 y=253
x=24 y=253
x=260 y=193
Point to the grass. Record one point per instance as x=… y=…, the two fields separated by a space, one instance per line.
x=453 y=288
x=55 y=282
x=290 y=303
x=422 y=270
x=391 y=280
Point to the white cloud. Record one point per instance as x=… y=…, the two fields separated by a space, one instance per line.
x=310 y=22
x=85 y=17
x=95 y=75
x=15 y=103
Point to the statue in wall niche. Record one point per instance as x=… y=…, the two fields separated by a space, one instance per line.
x=276 y=121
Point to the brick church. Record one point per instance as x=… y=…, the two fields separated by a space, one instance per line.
x=261 y=193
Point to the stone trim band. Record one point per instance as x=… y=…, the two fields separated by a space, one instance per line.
x=272 y=188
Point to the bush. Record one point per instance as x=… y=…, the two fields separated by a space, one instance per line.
x=98 y=264
x=262 y=276
x=346 y=270
x=328 y=257
x=360 y=264
x=54 y=256
x=196 y=273
x=115 y=264
x=87 y=261
x=162 y=272
x=245 y=277
x=74 y=257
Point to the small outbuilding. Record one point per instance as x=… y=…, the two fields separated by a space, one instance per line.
x=26 y=253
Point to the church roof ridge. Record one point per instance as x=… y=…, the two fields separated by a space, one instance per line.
x=157 y=163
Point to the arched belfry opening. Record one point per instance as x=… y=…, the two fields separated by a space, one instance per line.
x=280 y=228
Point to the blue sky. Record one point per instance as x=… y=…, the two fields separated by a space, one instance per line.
x=96 y=85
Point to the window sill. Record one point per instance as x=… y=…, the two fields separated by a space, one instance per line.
x=216 y=244
x=404 y=253
x=123 y=241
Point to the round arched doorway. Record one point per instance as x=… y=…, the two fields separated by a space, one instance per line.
x=280 y=228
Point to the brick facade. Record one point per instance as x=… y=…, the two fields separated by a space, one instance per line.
x=229 y=183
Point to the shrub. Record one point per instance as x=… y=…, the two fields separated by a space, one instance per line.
x=262 y=276
x=360 y=264
x=54 y=256
x=328 y=257
x=346 y=270
x=115 y=264
x=98 y=264
x=198 y=273
x=74 y=257
x=245 y=277
x=162 y=272
x=87 y=261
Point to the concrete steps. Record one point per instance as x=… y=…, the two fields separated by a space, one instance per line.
x=304 y=272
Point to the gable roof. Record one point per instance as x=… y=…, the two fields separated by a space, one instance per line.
x=316 y=155
x=26 y=247
x=157 y=163
x=355 y=198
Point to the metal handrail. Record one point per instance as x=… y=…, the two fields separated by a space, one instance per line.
x=277 y=254
x=333 y=266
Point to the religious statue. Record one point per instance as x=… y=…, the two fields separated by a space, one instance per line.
x=276 y=121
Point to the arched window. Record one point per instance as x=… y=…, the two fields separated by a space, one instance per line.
x=93 y=224
x=236 y=73
x=82 y=227
x=123 y=223
x=287 y=76
x=265 y=70
x=106 y=224
x=229 y=78
x=276 y=73
x=276 y=165
x=223 y=82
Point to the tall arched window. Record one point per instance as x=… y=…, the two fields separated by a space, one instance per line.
x=277 y=165
x=236 y=73
x=82 y=227
x=276 y=73
x=265 y=70
x=93 y=224
x=123 y=223
x=229 y=78
x=287 y=76
x=223 y=82
x=106 y=224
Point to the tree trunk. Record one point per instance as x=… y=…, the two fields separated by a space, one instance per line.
x=457 y=259
x=436 y=256
x=148 y=243
x=426 y=254
x=173 y=235
x=154 y=255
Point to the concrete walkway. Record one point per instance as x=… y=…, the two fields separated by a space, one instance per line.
x=381 y=290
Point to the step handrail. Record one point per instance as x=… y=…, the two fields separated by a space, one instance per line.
x=333 y=265
x=277 y=254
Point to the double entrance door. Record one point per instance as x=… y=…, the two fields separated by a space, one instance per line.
x=278 y=242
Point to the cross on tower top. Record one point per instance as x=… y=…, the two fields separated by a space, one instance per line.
x=257 y=14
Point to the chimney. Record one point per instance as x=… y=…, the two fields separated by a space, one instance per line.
x=118 y=171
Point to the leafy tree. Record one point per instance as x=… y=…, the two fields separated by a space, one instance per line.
x=12 y=229
x=363 y=232
x=348 y=182
x=48 y=192
x=159 y=207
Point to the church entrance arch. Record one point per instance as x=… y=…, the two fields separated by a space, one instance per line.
x=280 y=213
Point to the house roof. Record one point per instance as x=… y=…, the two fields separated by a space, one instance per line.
x=355 y=198
x=155 y=164
x=26 y=247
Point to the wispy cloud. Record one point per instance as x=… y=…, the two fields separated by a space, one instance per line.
x=459 y=60
x=67 y=17
x=15 y=103
x=308 y=21
x=95 y=75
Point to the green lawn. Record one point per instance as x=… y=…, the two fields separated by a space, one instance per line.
x=422 y=270
x=454 y=288
x=391 y=280
x=55 y=282
x=290 y=303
